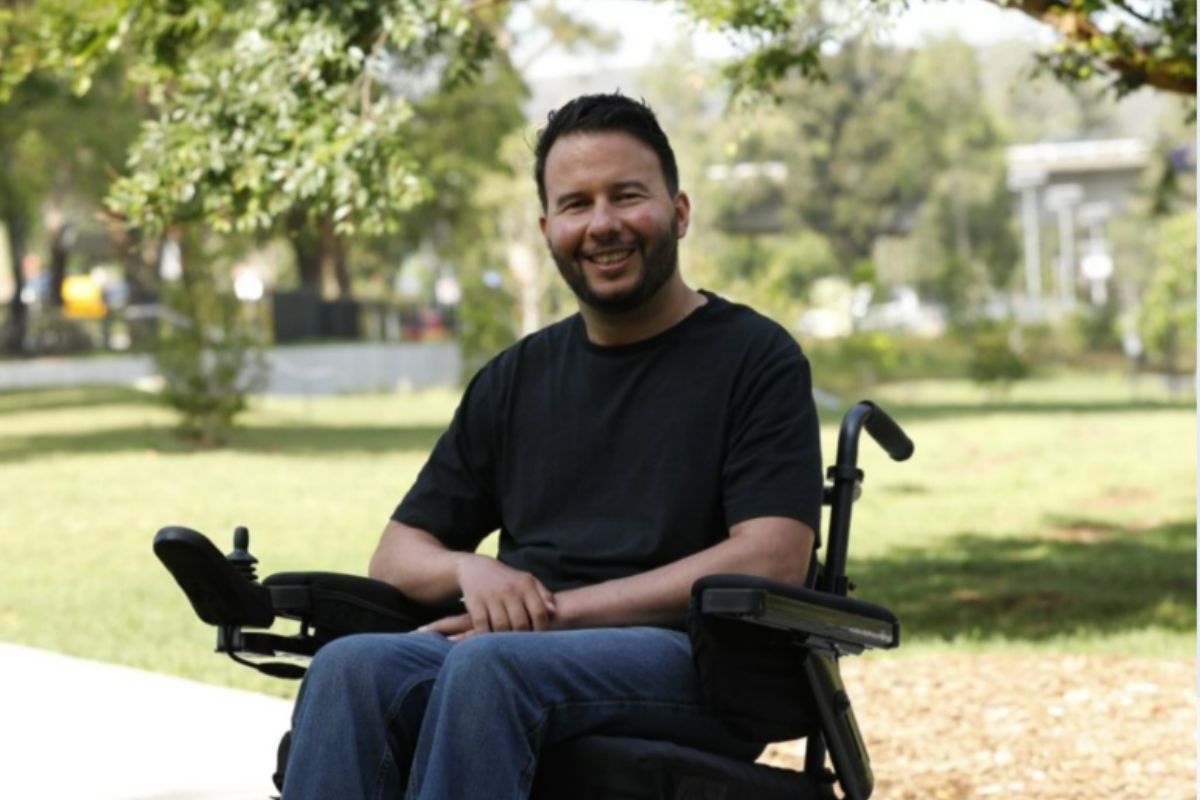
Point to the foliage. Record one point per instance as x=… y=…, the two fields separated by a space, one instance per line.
x=1095 y=328
x=865 y=360
x=996 y=360
x=1128 y=45
x=964 y=235
x=265 y=107
x=60 y=153
x=485 y=320
x=1167 y=318
x=771 y=272
x=858 y=152
x=209 y=355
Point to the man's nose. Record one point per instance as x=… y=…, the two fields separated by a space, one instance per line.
x=603 y=223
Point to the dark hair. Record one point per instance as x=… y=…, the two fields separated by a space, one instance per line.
x=605 y=112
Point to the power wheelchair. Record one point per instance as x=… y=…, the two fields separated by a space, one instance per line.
x=767 y=654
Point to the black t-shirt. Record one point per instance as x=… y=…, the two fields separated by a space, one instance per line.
x=600 y=462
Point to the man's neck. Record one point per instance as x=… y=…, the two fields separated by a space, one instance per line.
x=666 y=309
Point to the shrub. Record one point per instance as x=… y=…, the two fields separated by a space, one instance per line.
x=996 y=360
x=209 y=357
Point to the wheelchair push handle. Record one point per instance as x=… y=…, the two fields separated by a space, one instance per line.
x=882 y=428
x=888 y=433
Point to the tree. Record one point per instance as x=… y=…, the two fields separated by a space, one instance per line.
x=964 y=231
x=61 y=152
x=262 y=116
x=1167 y=317
x=859 y=151
x=1129 y=45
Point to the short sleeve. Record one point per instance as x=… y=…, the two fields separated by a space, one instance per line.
x=454 y=496
x=773 y=459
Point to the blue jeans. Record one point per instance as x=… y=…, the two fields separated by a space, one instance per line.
x=379 y=712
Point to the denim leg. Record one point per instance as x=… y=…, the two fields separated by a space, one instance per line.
x=358 y=715
x=501 y=697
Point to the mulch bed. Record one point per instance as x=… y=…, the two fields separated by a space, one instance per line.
x=1034 y=727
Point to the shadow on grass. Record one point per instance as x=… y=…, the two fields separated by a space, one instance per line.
x=18 y=401
x=1080 y=576
x=282 y=440
x=300 y=438
x=905 y=412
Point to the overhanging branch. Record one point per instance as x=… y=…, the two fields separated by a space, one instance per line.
x=1137 y=63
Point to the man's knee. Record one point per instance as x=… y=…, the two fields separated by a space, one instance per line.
x=373 y=660
x=491 y=660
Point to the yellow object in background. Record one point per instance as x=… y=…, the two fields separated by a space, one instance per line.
x=82 y=298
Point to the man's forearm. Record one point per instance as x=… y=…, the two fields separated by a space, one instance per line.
x=771 y=547
x=416 y=563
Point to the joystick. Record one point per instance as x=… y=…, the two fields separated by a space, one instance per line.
x=240 y=558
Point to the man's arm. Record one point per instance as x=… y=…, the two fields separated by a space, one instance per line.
x=497 y=597
x=770 y=547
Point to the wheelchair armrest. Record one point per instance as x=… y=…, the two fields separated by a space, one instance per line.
x=737 y=615
x=825 y=621
x=336 y=604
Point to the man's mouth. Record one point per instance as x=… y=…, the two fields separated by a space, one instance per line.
x=609 y=258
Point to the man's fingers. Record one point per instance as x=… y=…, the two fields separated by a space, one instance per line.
x=449 y=626
x=498 y=616
x=539 y=614
x=547 y=597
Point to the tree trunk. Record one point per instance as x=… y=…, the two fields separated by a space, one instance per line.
x=307 y=246
x=333 y=250
x=15 y=223
x=60 y=250
x=140 y=262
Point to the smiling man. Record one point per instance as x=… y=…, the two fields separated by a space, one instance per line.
x=659 y=435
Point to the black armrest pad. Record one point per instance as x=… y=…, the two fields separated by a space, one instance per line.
x=849 y=624
x=336 y=604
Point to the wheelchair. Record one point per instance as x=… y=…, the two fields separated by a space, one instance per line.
x=767 y=654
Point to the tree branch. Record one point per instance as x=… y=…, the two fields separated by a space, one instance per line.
x=1171 y=74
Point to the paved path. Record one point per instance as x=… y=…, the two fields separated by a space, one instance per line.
x=296 y=370
x=72 y=729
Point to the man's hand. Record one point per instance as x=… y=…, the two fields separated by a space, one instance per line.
x=498 y=598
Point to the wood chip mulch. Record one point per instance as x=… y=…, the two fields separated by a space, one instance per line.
x=1034 y=727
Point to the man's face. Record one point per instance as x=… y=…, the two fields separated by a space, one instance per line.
x=610 y=221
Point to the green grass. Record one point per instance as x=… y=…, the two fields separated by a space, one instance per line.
x=1061 y=517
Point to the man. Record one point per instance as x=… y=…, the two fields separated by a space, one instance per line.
x=659 y=435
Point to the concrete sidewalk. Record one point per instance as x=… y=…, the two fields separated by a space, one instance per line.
x=71 y=728
x=323 y=369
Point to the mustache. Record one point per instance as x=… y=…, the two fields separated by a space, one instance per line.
x=609 y=247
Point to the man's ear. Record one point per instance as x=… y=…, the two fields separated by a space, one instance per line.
x=683 y=212
x=542 y=224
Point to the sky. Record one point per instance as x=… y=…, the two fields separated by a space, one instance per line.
x=646 y=28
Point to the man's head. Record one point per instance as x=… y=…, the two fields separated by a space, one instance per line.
x=595 y=113
x=612 y=209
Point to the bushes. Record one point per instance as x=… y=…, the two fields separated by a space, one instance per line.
x=865 y=358
x=210 y=358
x=996 y=359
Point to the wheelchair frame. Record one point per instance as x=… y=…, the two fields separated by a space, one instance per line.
x=823 y=622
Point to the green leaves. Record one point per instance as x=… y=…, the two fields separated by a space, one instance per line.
x=260 y=108
x=1129 y=44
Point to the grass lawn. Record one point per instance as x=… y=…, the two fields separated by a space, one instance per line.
x=1059 y=517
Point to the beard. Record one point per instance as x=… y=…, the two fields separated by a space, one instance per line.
x=660 y=260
